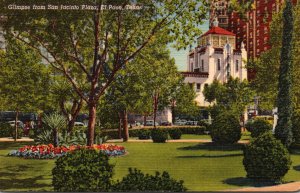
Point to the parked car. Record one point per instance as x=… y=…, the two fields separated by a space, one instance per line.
x=80 y=124
x=19 y=123
x=166 y=123
x=151 y=123
x=180 y=122
x=191 y=123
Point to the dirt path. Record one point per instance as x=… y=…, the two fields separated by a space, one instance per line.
x=289 y=187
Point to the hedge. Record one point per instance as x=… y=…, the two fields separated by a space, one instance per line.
x=198 y=130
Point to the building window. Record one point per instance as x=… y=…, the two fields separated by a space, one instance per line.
x=198 y=87
x=237 y=65
x=219 y=64
x=202 y=65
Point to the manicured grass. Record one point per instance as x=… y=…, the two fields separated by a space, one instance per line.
x=191 y=136
x=203 y=167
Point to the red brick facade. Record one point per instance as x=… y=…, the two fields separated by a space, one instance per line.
x=254 y=30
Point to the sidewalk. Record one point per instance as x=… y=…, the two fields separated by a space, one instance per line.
x=289 y=187
x=9 y=139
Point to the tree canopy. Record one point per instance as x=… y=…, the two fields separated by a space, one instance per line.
x=99 y=43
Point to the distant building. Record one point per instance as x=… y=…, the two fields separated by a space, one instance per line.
x=215 y=57
x=253 y=30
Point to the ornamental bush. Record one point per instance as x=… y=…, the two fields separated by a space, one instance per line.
x=266 y=159
x=144 y=134
x=136 y=181
x=159 y=135
x=84 y=170
x=225 y=129
x=259 y=127
x=296 y=127
x=5 y=130
x=175 y=133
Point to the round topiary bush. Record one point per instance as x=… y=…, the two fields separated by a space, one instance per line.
x=144 y=134
x=159 y=135
x=225 y=129
x=259 y=127
x=175 y=133
x=84 y=170
x=265 y=158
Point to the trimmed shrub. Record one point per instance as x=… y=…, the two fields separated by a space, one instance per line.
x=249 y=125
x=259 y=127
x=197 y=130
x=144 y=134
x=296 y=127
x=5 y=130
x=225 y=129
x=83 y=170
x=266 y=159
x=159 y=135
x=175 y=133
x=136 y=181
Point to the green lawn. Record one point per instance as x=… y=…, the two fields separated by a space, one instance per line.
x=203 y=167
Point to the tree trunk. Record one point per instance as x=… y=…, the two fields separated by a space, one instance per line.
x=71 y=124
x=173 y=111
x=155 y=108
x=16 y=125
x=120 y=126
x=91 y=125
x=125 y=126
x=55 y=137
x=145 y=120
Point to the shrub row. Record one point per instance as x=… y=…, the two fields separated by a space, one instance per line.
x=198 y=130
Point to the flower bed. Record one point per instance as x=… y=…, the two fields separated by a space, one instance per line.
x=51 y=152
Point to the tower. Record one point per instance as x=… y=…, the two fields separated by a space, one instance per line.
x=219 y=11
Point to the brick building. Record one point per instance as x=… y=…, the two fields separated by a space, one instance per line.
x=254 y=29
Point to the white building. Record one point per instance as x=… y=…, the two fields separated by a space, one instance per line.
x=215 y=57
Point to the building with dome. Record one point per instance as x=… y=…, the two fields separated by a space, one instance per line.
x=215 y=57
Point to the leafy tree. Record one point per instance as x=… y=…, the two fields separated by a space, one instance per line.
x=267 y=66
x=233 y=95
x=183 y=101
x=283 y=130
x=68 y=101
x=24 y=81
x=145 y=85
x=241 y=7
x=100 y=43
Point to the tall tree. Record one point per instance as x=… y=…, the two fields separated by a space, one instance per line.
x=24 y=80
x=183 y=101
x=233 y=95
x=267 y=66
x=89 y=41
x=283 y=130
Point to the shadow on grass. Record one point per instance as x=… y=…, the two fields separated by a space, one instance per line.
x=297 y=168
x=243 y=181
x=213 y=147
x=211 y=156
x=8 y=182
x=13 y=145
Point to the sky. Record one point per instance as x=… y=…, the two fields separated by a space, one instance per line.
x=181 y=55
